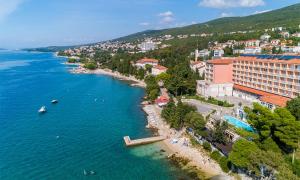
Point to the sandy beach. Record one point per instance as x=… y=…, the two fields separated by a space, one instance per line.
x=197 y=157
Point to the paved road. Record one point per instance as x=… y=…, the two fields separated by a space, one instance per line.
x=205 y=108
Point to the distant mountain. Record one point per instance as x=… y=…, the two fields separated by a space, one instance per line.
x=284 y=17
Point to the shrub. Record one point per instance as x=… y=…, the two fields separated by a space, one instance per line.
x=207 y=146
x=223 y=161
x=215 y=155
x=224 y=164
x=90 y=65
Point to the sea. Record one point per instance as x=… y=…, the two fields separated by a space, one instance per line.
x=80 y=137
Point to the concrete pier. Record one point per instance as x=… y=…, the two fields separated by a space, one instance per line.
x=142 y=141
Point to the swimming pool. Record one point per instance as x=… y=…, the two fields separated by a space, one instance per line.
x=238 y=123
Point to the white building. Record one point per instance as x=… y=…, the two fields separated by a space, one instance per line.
x=291 y=49
x=277 y=29
x=238 y=51
x=285 y=34
x=158 y=69
x=252 y=42
x=204 y=53
x=297 y=34
x=198 y=66
x=252 y=50
x=147 y=46
x=143 y=62
x=218 y=52
x=208 y=89
x=265 y=37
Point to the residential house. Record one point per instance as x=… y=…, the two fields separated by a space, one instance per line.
x=204 y=53
x=285 y=34
x=252 y=50
x=252 y=42
x=297 y=34
x=218 y=52
x=291 y=49
x=158 y=69
x=198 y=66
x=265 y=37
x=275 y=42
x=143 y=62
x=162 y=101
x=238 y=51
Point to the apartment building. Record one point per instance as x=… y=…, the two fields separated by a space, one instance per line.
x=272 y=82
x=218 y=79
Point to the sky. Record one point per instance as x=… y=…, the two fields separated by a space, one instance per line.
x=39 y=23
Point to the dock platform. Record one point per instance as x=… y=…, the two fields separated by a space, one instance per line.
x=142 y=141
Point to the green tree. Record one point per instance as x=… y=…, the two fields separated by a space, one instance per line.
x=152 y=88
x=90 y=65
x=148 y=68
x=219 y=132
x=182 y=80
x=280 y=125
x=241 y=153
x=196 y=121
x=294 y=107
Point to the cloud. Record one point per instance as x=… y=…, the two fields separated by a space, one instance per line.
x=166 y=17
x=144 y=24
x=264 y=11
x=166 y=14
x=222 y=4
x=224 y=14
x=7 y=7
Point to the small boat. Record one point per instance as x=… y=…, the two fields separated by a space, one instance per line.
x=43 y=109
x=54 y=101
x=85 y=173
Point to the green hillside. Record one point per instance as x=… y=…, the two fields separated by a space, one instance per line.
x=284 y=17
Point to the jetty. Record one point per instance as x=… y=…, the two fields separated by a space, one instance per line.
x=142 y=141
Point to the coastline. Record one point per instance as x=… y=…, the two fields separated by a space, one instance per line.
x=196 y=158
x=133 y=81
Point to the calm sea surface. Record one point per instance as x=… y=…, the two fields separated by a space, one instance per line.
x=84 y=131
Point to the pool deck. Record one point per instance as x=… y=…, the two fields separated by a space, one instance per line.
x=142 y=141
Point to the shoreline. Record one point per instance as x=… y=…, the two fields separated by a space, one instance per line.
x=197 y=158
x=131 y=79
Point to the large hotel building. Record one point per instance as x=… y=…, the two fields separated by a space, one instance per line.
x=272 y=82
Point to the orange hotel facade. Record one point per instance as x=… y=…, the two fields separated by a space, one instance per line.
x=272 y=82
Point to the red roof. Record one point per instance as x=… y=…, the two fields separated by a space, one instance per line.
x=147 y=60
x=162 y=99
x=265 y=96
x=220 y=61
x=159 y=67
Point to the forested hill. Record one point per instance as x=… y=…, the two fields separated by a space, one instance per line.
x=284 y=17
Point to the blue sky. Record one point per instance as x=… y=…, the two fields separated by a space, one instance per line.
x=35 y=23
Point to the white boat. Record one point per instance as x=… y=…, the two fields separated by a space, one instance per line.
x=42 y=109
x=54 y=101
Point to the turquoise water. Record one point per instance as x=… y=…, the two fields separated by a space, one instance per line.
x=238 y=123
x=83 y=131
